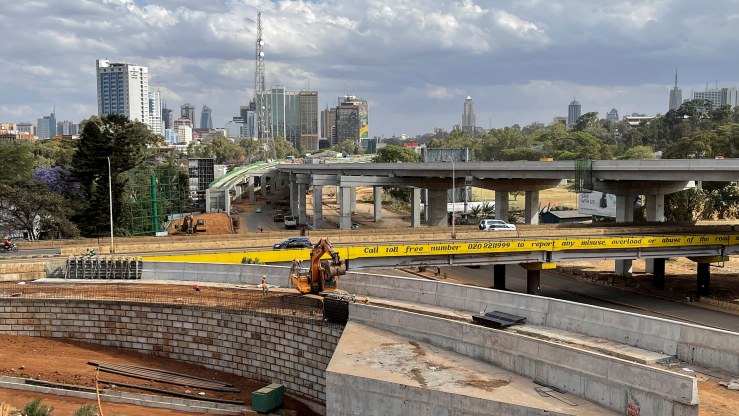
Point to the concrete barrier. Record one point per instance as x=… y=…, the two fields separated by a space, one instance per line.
x=706 y=347
x=216 y=273
x=610 y=382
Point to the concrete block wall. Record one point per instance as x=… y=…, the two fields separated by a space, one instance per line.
x=607 y=381
x=273 y=349
x=707 y=347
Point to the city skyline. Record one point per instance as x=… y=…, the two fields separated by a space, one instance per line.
x=413 y=62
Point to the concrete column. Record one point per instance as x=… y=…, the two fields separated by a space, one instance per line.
x=533 y=281
x=345 y=214
x=277 y=182
x=302 y=214
x=624 y=213
x=499 y=276
x=655 y=213
x=377 y=197
x=658 y=273
x=317 y=207
x=263 y=185
x=531 y=211
x=438 y=216
x=416 y=207
x=226 y=202
x=353 y=196
x=293 y=198
x=207 y=200
x=238 y=192
x=704 y=279
x=250 y=187
x=338 y=194
x=501 y=206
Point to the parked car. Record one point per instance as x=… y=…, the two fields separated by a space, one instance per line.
x=496 y=225
x=290 y=222
x=294 y=242
x=258 y=210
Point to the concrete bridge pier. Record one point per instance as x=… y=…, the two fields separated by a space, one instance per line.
x=658 y=273
x=416 y=207
x=263 y=185
x=499 y=276
x=302 y=210
x=533 y=281
x=238 y=193
x=250 y=188
x=345 y=213
x=353 y=197
x=655 y=213
x=437 y=206
x=377 y=198
x=624 y=213
x=317 y=207
x=293 y=197
x=278 y=182
x=501 y=205
x=531 y=210
x=704 y=279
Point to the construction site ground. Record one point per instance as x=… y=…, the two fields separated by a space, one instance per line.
x=66 y=362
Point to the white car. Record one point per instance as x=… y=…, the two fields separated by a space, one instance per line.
x=496 y=225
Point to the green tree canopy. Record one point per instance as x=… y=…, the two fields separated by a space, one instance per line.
x=17 y=160
x=392 y=154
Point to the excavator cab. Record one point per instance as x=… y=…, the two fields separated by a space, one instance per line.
x=321 y=275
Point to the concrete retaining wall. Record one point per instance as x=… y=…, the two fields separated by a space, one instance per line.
x=273 y=349
x=712 y=348
x=350 y=395
x=607 y=381
x=209 y=272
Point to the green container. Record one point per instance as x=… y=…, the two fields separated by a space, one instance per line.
x=268 y=398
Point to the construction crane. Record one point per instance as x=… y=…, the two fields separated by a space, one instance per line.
x=321 y=276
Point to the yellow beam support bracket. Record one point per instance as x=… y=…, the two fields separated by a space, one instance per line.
x=709 y=259
x=539 y=266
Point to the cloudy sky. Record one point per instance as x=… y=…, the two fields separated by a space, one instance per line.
x=414 y=61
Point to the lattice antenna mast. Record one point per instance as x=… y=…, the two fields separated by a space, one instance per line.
x=264 y=111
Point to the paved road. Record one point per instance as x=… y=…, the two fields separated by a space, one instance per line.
x=567 y=288
x=30 y=252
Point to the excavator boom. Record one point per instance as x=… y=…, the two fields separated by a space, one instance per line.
x=321 y=275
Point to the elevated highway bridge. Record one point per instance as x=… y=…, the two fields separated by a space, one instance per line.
x=532 y=253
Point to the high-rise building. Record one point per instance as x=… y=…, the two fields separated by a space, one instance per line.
x=46 y=127
x=573 y=113
x=308 y=120
x=167 y=117
x=206 y=119
x=676 y=96
x=187 y=111
x=468 y=116
x=67 y=128
x=123 y=89
x=26 y=127
x=719 y=97
x=328 y=124
x=612 y=115
x=155 y=113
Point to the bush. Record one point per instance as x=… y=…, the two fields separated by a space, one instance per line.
x=87 y=410
x=249 y=260
x=35 y=408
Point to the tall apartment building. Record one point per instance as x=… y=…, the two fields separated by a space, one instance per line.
x=612 y=115
x=67 y=128
x=187 y=111
x=719 y=97
x=468 y=116
x=328 y=124
x=124 y=89
x=206 y=118
x=167 y=118
x=351 y=120
x=308 y=120
x=676 y=96
x=155 y=113
x=46 y=127
x=573 y=112
x=26 y=127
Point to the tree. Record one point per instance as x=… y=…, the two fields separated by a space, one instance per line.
x=392 y=154
x=638 y=153
x=585 y=121
x=347 y=147
x=282 y=148
x=35 y=408
x=16 y=160
x=32 y=207
x=125 y=143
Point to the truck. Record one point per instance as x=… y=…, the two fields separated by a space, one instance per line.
x=290 y=222
x=279 y=216
x=321 y=277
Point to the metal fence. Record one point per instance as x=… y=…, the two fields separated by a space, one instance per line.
x=98 y=267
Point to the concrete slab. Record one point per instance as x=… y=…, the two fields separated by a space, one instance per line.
x=600 y=345
x=399 y=375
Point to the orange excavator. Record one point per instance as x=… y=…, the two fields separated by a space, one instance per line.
x=323 y=275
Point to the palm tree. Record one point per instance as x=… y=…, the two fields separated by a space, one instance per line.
x=488 y=210
x=475 y=210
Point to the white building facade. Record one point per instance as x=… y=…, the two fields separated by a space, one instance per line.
x=124 y=89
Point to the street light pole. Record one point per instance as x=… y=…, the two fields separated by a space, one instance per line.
x=110 y=198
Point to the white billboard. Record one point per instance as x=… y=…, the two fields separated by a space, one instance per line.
x=597 y=203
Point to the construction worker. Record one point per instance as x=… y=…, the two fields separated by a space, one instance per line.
x=264 y=285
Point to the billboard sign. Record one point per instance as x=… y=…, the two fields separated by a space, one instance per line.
x=597 y=203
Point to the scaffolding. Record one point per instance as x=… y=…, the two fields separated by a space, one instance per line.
x=583 y=176
x=97 y=267
x=154 y=195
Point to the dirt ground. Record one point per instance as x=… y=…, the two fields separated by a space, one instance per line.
x=64 y=361
x=216 y=224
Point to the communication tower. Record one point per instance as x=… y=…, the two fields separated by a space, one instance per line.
x=264 y=111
